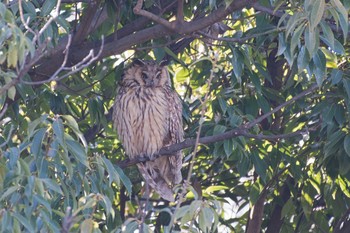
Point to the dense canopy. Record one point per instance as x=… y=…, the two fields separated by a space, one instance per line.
x=265 y=89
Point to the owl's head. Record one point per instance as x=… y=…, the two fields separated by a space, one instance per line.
x=146 y=74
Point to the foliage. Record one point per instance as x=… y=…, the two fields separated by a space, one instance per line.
x=235 y=65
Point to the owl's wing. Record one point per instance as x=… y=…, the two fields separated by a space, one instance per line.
x=175 y=135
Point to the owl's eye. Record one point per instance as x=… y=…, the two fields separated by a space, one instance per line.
x=144 y=76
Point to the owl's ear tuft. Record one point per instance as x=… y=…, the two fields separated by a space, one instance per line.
x=138 y=62
x=164 y=63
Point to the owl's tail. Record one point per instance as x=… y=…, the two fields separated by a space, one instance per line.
x=159 y=176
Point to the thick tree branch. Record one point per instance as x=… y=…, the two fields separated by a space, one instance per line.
x=112 y=47
x=85 y=25
x=343 y=225
x=183 y=27
x=241 y=131
x=257 y=210
x=256 y=214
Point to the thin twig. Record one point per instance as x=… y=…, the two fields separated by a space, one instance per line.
x=25 y=24
x=3 y=110
x=39 y=53
x=279 y=107
x=47 y=24
x=85 y=62
x=243 y=39
x=139 y=11
x=274 y=137
x=189 y=174
x=8 y=137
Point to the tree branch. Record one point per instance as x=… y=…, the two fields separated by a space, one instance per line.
x=86 y=61
x=343 y=225
x=49 y=66
x=241 y=131
x=139 y=11
x=85 y=25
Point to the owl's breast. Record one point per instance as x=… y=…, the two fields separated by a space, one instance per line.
x=144 y=123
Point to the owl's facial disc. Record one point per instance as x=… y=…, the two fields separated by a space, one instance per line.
x=151 y=79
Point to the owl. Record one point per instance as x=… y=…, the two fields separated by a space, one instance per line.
x=147 y=114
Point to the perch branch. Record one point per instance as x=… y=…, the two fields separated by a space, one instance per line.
x=240 y=131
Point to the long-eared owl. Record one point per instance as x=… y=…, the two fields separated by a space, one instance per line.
x=148 y=116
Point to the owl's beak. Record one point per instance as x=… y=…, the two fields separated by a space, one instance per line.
x=149 y=83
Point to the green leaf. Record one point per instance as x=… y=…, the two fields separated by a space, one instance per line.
x=52 y=185
x=131 y=227
x=182 y=75
x=288 y=208
x=33 y=124
x=339 y=114
x=254 y=193
x=303 y=59
x=263 y=72
x=294 y=21
x=311 y=40
x=78 y=151
x=58 y=130
x=228 y=147
x=62 y=22
x=8 y=192
x=256 y=80
x=53 y=149
x=334 y=143
x=126 y=181
x=71 y=122
x=11 y=93
x=296 y=37
x=259 y=164
x=316 y=13
x=346 y=84
x=237 y=63
x=343 y=17
x=215 y=188
x=113 y=175
x=181 y=211
x=47 y=7
x=223 y=104
x=347 y=144
x=336 y=76
x=218 y=129
x=328 y=34
x=24 y=221
x=108 y=206
x=263 y=103
x=87 y=226
x=67 y=162
x=320 y=70
x=36 y=146
x=41 y=200
x=29 y=8
x=12 y=56
x=173 y=55
x=281 y=44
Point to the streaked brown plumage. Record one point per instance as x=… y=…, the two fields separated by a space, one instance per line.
x=147 y=116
